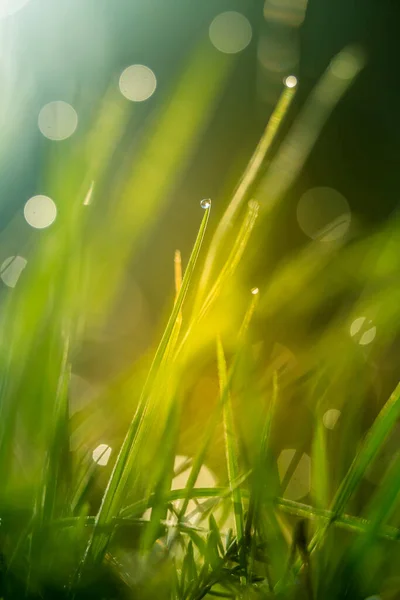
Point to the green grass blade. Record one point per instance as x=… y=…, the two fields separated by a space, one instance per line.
x=231 y=450
x=213 y=421
x=320 y=465
x=369 y=450
x=113 y=495
x=245 y=185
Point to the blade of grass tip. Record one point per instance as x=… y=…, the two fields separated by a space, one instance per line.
x=201 y=453
x=112 y=497
x=244 y=186
x=300 y=140
x=367 y=453
x=234 y=257
x=228 y=270
x=231 y=453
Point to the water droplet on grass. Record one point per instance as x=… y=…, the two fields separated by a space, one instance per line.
x=255 y=291
x=291 y=81
x=205 y=203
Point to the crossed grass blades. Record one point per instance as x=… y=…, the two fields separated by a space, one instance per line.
x=244 y=539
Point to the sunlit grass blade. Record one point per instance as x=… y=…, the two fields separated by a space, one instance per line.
x=231 y=452
x=226 y=272
x=214 y=419
x=113 y=495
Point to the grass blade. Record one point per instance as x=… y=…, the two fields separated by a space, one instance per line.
x=231 y=452
x=112 y=498
x=369 y=450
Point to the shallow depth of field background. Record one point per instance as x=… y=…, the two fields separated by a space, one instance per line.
x=118 y=118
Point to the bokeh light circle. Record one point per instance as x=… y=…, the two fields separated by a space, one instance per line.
x=57 y=120
x=330 y=418
x=101 y=454
x=137 y=83
x=11 y=270
x=363 y=331
x=40 y=212
x=9 y=7
x=323 y=214
x=230 y=32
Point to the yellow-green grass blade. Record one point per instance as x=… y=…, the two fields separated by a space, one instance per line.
x=113 y=495
x=226 y=272
x=214 y=419
x=231 y=452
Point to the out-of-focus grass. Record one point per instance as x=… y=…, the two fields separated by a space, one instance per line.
x=242 y=537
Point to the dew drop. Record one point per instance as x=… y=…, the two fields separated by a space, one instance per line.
x=255 y=291
x=291 y=81
x=205 y=203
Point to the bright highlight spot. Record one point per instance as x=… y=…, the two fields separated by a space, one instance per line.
x=291 y=81
x=57 y=120
x=230 y=32
x=331 y=417
x=323 y=214
x=363 y=330
x=88 y=197
x=137 y=83
x=255 y=291
x=101 y=454
x=9 y=7
x=300 y=482
x=11 y=270
x=40 y=212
